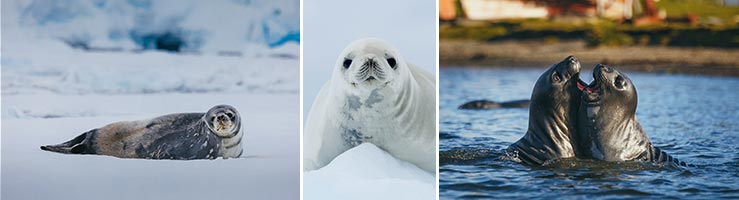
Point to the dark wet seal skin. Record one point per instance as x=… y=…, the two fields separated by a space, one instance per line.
x=552 y=116
x=607 y=126
x=487 y=104
x=182 y=136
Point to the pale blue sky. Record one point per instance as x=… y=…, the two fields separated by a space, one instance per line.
x=329 y=25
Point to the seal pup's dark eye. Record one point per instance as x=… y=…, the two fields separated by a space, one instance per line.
x=230 y=115
x=347 y=63
x=620 y=82
x=392 y=63
x=555 y=77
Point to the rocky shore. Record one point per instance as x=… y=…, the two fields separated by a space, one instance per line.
x=657 y=59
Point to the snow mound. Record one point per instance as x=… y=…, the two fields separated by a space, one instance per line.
x=368 y=172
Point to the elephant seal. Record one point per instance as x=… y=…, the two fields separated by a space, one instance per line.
x=487 y=104
x=552 y=116
x=373 y=96
x=182 y=136
x=607 y=122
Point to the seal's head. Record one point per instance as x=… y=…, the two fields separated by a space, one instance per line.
x=369 y=63
x=223 y=120
x=557 y=91
x=610 y=92
x=608 y=121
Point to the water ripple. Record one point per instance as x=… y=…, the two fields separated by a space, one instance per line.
x=691 y=117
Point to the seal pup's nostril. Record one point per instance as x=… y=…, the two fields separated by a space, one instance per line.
x=572 y=59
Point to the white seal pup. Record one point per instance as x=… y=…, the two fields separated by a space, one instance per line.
x=373 y=96
x=182 y=136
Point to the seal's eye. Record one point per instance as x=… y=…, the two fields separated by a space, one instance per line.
x=347 y=63
x=392 y=63
x=620 y=82
x=555 y=77
x=230 y=115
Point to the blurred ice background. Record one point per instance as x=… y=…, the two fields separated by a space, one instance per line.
x=365 y=172
x=71 y=66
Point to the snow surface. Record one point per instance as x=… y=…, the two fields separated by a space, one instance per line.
x=269 y=168
x=52 y=93
x=368 y=172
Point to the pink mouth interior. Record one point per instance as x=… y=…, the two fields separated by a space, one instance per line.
x=593 y=89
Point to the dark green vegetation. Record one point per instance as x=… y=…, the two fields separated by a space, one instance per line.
x=703 y=9
x=717 y=27
x=598 y=33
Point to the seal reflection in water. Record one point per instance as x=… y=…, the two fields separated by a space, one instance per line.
x=373 y=96
x=607 y=121
x=487 y=104
x=181 y=136
x=552 y=115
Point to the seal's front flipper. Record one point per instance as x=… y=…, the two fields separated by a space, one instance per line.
x=78 y=145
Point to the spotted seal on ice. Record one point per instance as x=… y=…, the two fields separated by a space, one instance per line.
x=181 y=136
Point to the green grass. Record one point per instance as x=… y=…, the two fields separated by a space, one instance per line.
x=701 y=8
x=597 y=33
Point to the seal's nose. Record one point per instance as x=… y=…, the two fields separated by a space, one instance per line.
x=572 y=64
x=370 y=62
x=572 y=59
x=601 y=68
x=575 y=63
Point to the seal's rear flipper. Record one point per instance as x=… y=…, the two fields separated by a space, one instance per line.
x=75 y=146
x=659 y=156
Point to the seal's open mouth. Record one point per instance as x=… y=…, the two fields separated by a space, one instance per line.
x=592 y=93
x=569 y=70
x=593 y=88
x=581 y=84
x=222 y=125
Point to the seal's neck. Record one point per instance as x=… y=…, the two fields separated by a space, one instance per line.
x=614 y=137
x=371 y=115
x=230 y=146
x=383 y=103
x=552 y=129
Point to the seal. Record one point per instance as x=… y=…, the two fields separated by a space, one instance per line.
x=373 y=96
x=552 y=115
x=182 y=136
x=607 y=122
x=487 y=104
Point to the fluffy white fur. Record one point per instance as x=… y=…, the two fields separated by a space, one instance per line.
x=394 y=111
